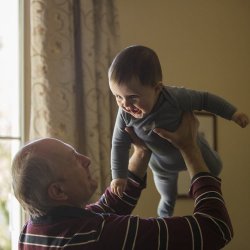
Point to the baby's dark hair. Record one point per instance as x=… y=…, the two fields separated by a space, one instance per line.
x=136 y=61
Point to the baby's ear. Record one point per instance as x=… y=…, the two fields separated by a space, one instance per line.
x=56 y=192
x=159 y=86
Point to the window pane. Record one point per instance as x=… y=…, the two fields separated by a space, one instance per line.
x=7 y=150
x=9 y=69
x=9 y=112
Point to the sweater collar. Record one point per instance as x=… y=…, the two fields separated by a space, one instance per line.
x=60 y=213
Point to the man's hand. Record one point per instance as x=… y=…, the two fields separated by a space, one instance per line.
x=118 y=186
x=185 y=138
x=185 y=135
x=137 y=143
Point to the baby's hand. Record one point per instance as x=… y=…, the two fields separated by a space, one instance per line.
x=118 y=186
x=240 y=118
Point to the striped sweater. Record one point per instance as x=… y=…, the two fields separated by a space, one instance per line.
x=108 y=224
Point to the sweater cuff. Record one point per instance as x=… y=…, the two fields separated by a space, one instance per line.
x=203 y=174
x=136 y=180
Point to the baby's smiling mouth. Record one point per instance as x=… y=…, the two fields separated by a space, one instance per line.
x=133 y=111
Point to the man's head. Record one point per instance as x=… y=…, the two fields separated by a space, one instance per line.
x=48 y=173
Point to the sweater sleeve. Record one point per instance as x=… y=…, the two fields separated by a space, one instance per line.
x=190 y=100
x=111 y=203
x=121 y=144
x=209 y=227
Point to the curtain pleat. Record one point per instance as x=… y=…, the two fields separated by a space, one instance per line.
x=79 y=90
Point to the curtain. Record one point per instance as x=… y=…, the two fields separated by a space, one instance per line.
x=72 y=45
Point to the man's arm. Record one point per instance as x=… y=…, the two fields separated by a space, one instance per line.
x=138 y=164
x=210 y=223
x=208 y=227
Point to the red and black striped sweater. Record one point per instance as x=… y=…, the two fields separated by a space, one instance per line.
x=108 y=224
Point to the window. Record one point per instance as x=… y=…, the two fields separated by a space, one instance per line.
x=10 y=125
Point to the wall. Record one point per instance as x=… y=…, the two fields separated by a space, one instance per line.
x=204 y=45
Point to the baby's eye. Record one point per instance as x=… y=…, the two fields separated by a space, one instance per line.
x=133 y=97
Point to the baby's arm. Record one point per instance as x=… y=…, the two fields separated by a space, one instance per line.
x=240 y=118
x=138 y=163
x=190 y=100
x=118 y=186
x=121 y=143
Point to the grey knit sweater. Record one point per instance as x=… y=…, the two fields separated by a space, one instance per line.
x=167 y=114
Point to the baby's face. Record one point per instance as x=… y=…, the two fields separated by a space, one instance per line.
x=134 y=98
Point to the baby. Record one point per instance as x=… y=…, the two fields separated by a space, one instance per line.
x=135 y=79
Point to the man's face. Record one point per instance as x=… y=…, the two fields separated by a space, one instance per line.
x=72 y=169
x=134 y=98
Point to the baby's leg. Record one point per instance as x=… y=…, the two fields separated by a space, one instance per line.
x=167 y=188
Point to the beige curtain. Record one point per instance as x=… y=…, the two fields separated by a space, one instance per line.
x=72 y=45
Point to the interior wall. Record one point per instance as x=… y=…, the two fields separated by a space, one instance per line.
x=204 y=45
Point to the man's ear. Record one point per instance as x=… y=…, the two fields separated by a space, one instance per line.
x=56 y=192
